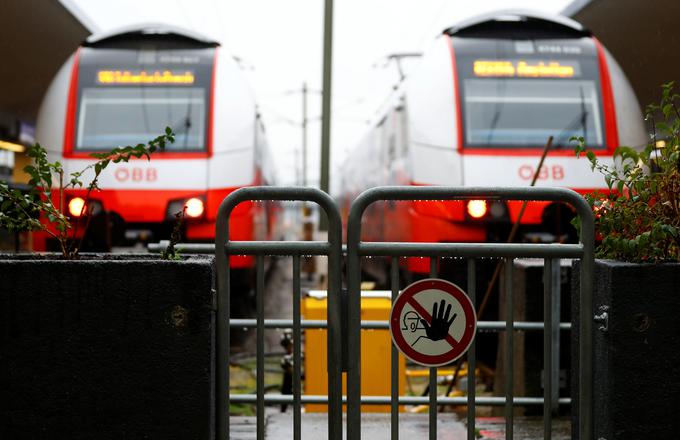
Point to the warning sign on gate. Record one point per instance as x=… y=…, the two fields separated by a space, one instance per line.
x=433 y=322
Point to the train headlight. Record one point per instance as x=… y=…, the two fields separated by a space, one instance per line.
x=477 y=208
x=76 y=207
x=194 y=207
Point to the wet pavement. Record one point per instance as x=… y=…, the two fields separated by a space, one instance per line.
x=415 y=426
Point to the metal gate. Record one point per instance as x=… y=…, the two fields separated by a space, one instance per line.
x=331 y=249
x=349 y=334
x=356 y=250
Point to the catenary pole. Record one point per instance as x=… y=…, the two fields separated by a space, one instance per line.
x=326 y=103
x=304 y=134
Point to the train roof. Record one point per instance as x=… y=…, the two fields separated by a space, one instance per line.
x=149 y=29
x=507 y=19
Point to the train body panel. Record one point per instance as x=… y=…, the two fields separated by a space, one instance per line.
x=430 y=97
x=124 y=88
x=49 y=129
x=627 y=106
x=478 y=111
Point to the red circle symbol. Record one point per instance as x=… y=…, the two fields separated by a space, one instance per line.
x=433 y=322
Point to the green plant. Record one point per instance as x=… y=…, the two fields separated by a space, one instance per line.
x=45 y=198
x=638 y=219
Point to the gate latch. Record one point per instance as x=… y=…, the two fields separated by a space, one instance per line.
x=602 y=318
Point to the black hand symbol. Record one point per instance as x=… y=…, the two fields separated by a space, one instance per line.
x=439 y=327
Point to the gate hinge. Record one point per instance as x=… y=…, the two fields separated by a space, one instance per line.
x=602 y=318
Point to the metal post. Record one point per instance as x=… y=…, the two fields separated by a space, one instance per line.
x=222 y=276
x=555 y=311
x=509 y=349
x=585 y=358
x=433 y=373
x=394 y=420
x=471 y=358
x=259 y=298
x=326 y=103
x=547 y=347
x=297 y=358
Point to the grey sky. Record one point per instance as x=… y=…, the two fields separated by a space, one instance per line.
x=281 y=45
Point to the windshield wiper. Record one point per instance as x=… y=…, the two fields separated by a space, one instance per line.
x=580 y=120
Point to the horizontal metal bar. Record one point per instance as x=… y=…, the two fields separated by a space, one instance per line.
x=190 y=248
x=382 y=325
x=281 y=248
x=512 y=250
x=460 y=250
x=279 y=323
x=403 y=400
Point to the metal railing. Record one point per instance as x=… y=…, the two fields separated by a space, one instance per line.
x=356 y=250
x=332 y=249
x=549 y=252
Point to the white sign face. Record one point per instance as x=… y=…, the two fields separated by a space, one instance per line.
x=433 y=322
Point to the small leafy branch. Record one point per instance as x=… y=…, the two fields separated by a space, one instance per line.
x=46 y=197
x=638 y=219
x=171 y=252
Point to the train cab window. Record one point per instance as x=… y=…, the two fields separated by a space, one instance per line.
x=511 y=113
x=109 y=117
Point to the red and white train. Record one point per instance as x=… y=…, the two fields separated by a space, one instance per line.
x=123 y=88
x=477 y=111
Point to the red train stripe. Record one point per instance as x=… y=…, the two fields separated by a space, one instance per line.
x=534 y=152
x=69 y=128
x=211 y=107
x=456 y=96
x=608 y=104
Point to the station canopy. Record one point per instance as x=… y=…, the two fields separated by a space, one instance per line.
x=37 y=37
x=641 y=35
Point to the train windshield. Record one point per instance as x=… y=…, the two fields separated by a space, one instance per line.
x=128 y=116
x=505 y=113
x=128 y=95
x=517 y=93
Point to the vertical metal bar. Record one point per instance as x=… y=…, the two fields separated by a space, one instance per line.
x=222 y=275
x=556 y=280
x=297 y=337
x=471 y=357
x=509 y=349
x=547 y=347
x=334 y=333
x=223 y=346
x=259 y=294
x=585 y=358
x=433 y=373
x=353 y=329
x=394 y=393
x=433 y=403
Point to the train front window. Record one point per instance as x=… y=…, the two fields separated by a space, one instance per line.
x=115 y=116
x=511 y=113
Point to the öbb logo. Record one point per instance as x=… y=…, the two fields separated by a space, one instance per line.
x=136 y=174
x=554 y=172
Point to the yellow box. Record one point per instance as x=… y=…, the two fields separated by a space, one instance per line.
x=375 y=353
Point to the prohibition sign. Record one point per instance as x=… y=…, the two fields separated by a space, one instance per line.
x=433 y=322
